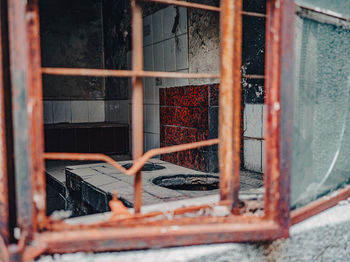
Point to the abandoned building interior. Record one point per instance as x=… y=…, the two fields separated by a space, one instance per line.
x=93 y=114
x=212 y=121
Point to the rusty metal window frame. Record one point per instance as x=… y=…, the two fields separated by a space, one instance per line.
x=40 y=234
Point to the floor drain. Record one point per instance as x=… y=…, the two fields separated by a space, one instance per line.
x=147 y=167
x=188 y=182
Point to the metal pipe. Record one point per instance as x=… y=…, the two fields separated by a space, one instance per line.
x=253 y=138
x=184 y=4
x=35 y=112
x=121 y=73
x=279 y=100
x=253 y=14
x=137 y=98
x=254 y=76
x=143 y=237
x=319 y=205
x=26 y=215
x=237 y=103
x=230 y=101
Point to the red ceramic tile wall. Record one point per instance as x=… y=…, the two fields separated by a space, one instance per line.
x=185 y=118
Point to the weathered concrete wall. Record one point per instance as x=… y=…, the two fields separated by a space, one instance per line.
x=204 y=42
x=71 y=36
x=117 y=42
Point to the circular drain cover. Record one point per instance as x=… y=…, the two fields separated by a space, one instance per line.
x=147 y=167
x=188 y=182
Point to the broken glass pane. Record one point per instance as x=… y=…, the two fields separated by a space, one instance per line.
x=321 y=133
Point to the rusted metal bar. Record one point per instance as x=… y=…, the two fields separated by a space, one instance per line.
x=121 y=73
x=137 y=98
x=22 y=142
x=7 y=118
x=138 y=164
x=35 y=112
x=112 y=239
x=184 y=4
x=253 y=14
x=237 y=102
x=287 y=111
x=319 y=205
x=279 y=89
x=254 y=138
x=158 y=218
x=254 y=76
x=4 y=201
x=323 y=13
x=4 y=254
x=230 y=101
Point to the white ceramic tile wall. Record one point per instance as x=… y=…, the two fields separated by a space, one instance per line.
x=181 y=52
x=148 y=58
x=118 y=111
x=80 y=111
x=169 y=55
x=263 y=156
x=157 y=26
x=264 y=119
x=123 y=115
x=167 y=52
x=181 y=81
x=148 y=111
x=169 y=82
x=253 y=120
x=158 y=52
x=96 y=111
x=150 y=141
x=156 y=120
x=48 y=112
x=148 y=83
x=252 y=155
x=147 y=31
x=144 y=142
x=156 y=93
x=67 y=111
x=182 y=27
x=169 y=14
x=148 y=91
x=151 y=119
x=61 y=111
x=254 y=126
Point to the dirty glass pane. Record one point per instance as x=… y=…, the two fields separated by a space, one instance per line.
x=321 y=134
x=336 y=7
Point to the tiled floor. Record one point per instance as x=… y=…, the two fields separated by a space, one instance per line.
x=96 y=183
